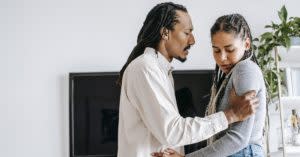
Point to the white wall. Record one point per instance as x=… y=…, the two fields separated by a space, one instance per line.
x=42 y=41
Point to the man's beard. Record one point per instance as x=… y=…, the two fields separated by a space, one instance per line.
x=181 y=59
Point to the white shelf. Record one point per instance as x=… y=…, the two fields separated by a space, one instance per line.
x=288 y=104
x=291 y=102
x=289 y=64
x=290 y=149
x=290 y=58
x=279 y=154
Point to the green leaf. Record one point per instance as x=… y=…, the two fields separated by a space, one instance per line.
x=283 y=14
x=267 y=35
x=255 y=39
x=296 y=19
x=288 y=42
x=268 y=26
x=275 y=26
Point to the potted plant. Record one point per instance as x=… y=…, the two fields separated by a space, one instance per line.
x=279 y=35
x=282 y=34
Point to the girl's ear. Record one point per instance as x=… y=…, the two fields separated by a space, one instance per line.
x=247 y=43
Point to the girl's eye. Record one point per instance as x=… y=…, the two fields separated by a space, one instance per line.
x=216 y=51
x=230 y=50
x=187 y=33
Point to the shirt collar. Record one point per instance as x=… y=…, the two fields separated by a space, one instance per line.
x=164 y=63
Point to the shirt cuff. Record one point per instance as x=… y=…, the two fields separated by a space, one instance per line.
x=220 y=121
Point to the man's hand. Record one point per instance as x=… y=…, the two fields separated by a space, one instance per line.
x=157 y=154
x=241 y=107
x=167 y=153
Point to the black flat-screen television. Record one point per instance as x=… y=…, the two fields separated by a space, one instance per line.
x=94 y=105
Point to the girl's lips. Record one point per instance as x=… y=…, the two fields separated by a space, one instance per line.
x=226 y=66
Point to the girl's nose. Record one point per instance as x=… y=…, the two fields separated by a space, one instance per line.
x=223 y=56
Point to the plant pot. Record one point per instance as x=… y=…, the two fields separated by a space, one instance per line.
x=290 y=57
x=295 y=41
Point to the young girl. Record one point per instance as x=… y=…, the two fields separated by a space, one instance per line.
x=236 y=67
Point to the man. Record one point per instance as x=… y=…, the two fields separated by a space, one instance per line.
x=148 y=117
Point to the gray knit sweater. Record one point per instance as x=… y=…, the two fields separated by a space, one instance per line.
x=246 y=76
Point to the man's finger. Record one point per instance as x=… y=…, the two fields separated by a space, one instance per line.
x=156 y=154
x=171 y=151
x=254 y=102
x=254 y=105
x=232 y=92
x=166 y=153
x=250 y=94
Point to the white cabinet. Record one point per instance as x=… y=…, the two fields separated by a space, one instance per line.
x=290 y=63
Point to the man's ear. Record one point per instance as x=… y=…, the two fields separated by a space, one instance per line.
x=164 y=32
x=247 y=43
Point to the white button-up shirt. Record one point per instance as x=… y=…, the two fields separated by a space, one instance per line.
x=148 y=117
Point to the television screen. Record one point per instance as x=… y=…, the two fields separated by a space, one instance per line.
x=94 y=104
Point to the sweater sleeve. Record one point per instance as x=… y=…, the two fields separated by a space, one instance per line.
x=246 y=76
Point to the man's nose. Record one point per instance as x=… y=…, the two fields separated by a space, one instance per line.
x=192 y=40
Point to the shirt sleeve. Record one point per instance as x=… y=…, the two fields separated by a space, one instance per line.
x=149 y=91
x=246 y=77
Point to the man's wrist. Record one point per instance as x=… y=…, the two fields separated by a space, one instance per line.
x=230 y=115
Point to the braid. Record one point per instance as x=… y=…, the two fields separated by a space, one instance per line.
x=161 y=16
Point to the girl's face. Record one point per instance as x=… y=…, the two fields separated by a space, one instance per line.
x=228 y=49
